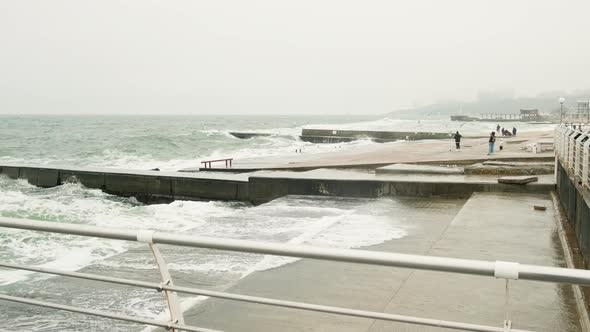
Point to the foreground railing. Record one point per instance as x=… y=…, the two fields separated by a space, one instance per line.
x=572 y=149
x=504 y=270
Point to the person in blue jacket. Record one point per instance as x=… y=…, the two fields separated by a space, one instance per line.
x=491 y=142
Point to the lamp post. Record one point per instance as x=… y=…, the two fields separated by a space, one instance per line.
x=561 y=101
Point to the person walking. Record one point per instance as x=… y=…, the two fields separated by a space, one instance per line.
x=498 y=128
x=491 y=142
x=457 y=137
x=513 y=131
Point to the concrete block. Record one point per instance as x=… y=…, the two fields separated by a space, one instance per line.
x=243 y=191
x=11 y=172
x=518 y=179
x=94 y=180
x=509 y=169
x=30 y=174
x=160 y=186
x=204 y=189
x=48 y=178
x=262 y=190
x=126 y=184
x=418 y=169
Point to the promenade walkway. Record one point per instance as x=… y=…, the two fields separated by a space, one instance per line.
x=489 y=226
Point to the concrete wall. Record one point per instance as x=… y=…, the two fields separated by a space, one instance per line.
x=380 y=136
x=373 y=134
x=161 y=187
x=575 y=200
x=265 y=189
x=147 y=187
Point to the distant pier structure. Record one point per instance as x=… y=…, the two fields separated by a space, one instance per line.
x=525 y=115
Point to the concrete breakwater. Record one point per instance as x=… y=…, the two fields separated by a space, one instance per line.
x=147 y=186
x=261 y=187
x=247 y=135
x=342 y=136
x=338 y=136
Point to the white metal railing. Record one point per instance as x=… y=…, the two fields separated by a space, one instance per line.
x=573 y=151
x=503 y=270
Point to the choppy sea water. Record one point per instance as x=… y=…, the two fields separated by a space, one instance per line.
x=169 y=143
x=341 y=223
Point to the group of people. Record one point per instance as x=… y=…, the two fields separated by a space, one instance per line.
x=491 y=140
x=505 y=131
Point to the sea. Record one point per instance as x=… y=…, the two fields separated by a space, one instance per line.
x=169 y=143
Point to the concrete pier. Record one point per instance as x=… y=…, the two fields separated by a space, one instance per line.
x=488 y=226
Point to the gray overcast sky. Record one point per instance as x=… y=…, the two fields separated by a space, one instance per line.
x=308 y=57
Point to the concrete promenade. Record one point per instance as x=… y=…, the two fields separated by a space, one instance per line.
x=488 y=226
x=441 y=151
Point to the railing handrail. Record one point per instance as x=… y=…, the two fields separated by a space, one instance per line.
x=92 y=312
x=497 y=269
x=419 y=262
x=216 y=160
x=264 y=300
x=574 y=154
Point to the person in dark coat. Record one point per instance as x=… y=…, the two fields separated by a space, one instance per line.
x=457 y=138
x=513 y=131
x=498 y=128
x=491 y=142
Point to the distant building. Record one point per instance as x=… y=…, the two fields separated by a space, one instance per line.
x=530 y=115
x=583 y=111
x=583 y=106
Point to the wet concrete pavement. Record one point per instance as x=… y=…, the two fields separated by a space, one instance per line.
x=488 y=226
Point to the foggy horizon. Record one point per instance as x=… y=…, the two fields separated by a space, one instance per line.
x=264 y=57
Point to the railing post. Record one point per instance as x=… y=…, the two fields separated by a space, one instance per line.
x=175 y=312
x=507 y=321
x=586 y=165
x=508 y=271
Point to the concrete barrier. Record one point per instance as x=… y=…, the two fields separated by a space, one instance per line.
x=47 y=178
x=162 y=187
x=247 y=135
x=11 y=172
x=337 y=136
x=263 y=189
x=93 y=180
x=147 y=186
x=30 y=174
